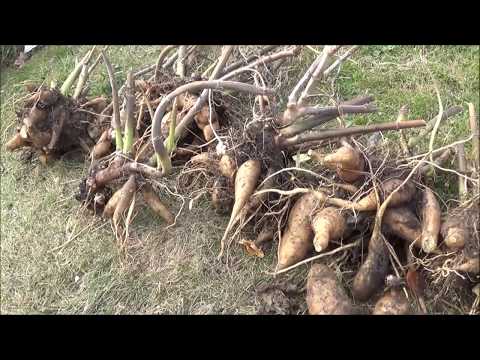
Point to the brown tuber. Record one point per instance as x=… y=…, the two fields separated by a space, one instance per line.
x=227 y=166
x=222 y=195
x=347 y=161
x=296 y=241
x=245 y=184
x=393 y=302
x=16 y=142
x=431 y=214
x=454 y=232
x=403 y=223
x=112 y=204
x=328 y=224
x=325 y=295
x=402 y=196
x=154 y=202
x=103 y=146
x=470 y=265
x=127 y=192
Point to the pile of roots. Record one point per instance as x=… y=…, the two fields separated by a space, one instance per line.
x=363 y=216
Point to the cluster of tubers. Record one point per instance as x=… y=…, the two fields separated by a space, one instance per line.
x=168 y=119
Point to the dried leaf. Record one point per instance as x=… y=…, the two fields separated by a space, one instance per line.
x=415 y=282
x=251 y=248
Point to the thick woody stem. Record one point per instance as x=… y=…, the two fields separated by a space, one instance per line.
x=97 y=61
x=116 y=107
x=293 y=97
x=327 y=52
x=174 y=57
x=439 y=160
x=328 y=134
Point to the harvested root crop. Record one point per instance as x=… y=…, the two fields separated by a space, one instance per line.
x=402 y=196
x=372 y=273
x=393 y=302
x=431 y=215
x=245 y=184
x=158 y=207
x=112 y=204
x=297 y=240
x=53 y=125
x=454 y=232
x=470 y=265
x=125 y=198
x=403 y=223
x=328 y=224
x=227 y=166
x=347 y=161
x=325 y=295
x=103 y=146
x=222 y=195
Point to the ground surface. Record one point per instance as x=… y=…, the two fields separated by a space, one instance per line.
x=174 y=270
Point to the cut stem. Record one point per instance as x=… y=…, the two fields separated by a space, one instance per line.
x=328 y=134
x=462 y=168
x=327 y=52
x=116 y=107
x=130 y=118
x=323 y=115
x=476 y=136
x=173 y=123
x=402 y=116
x=181 y=61
x=76 y=72
x=82 y=79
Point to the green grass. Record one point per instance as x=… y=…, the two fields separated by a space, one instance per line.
x=174 y=270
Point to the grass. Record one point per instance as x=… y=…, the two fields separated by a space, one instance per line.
x=175 y=271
